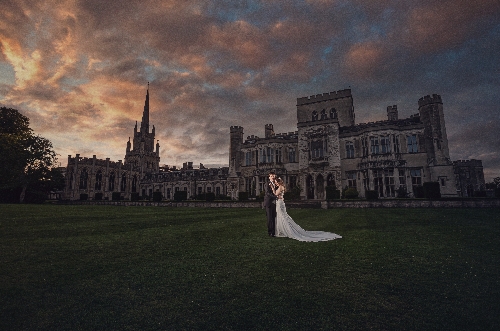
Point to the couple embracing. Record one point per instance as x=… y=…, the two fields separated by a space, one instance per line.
x=279 y=223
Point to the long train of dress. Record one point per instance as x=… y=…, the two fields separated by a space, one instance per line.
x=286 y=227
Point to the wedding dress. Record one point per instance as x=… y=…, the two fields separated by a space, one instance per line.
x=286 y=227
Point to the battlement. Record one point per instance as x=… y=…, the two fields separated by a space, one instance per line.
x=427 y=100
x=236 y=129
x=324 y=97
x=468 y=163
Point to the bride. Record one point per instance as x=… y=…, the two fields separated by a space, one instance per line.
x=286 y=227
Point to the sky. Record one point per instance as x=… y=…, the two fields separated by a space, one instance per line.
x=79 y=69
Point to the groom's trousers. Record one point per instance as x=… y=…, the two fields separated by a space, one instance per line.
x=271 y=218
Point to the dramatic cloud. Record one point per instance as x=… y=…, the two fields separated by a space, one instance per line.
x=79 y=68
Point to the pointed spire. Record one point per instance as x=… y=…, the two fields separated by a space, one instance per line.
x=145 y=114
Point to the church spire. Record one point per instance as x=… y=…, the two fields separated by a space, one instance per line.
x=145 y=114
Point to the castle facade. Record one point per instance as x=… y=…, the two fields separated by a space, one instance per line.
x=391 y=157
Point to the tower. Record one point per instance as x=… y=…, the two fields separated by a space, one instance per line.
x=143 y=155
x=236 y=133
x=392 y=113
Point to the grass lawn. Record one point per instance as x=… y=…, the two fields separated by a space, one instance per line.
x=154 y=268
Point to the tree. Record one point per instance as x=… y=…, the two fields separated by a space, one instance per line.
x=27 y=161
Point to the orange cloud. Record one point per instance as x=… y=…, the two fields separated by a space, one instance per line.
x=363 y=59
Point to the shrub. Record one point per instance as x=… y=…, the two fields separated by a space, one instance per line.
x=180 y=195
x=497 y=192
x=418 y=192
x=243 y=196
x=98 y=196
x=35 y=197
x=371 y=195
x=480 y=194
x=332 y=193
x=210 y=196
x=432 y=190
x=84 y=196
x=157 y=196
x=401 y=192
x=351 y=193
x=116 y=196
x=134 y=196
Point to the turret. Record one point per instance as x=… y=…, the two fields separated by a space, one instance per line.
x=392 y=113
x=236 y=141
x=269 y=130
x=128 y=145
x=435 y=138
x=145 y=114
x=158 y=148
x=335 y=105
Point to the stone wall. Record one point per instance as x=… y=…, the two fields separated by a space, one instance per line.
x=464 y=203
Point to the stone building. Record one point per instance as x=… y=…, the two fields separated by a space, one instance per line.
x=391 y=157
x=469 y=177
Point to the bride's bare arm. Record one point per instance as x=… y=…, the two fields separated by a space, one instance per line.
x=278 y=192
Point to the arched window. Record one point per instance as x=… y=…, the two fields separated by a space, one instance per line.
x=314 y=115
x=84 y=176
x=98 y=180
x=112 y=181
x=124 y=182
x=134 y=184
x=330 y=180
x=323 y=114
x=333 y=113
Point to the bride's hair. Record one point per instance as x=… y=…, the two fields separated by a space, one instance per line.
x=281 y=183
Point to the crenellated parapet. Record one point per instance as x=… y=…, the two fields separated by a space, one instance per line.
x=427 y=100
x=236 y=129
x=324 y=97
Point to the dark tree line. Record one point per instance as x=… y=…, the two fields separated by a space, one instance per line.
x=28 y=169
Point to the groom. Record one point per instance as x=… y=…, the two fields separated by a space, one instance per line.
x=270 y=204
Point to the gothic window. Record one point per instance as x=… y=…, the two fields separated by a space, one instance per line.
x=412 y=144
x=323 y=114
x=317 y=149
x=314 y=115
x=402 y=178
x=217 y=190
x=333 y=113
x=389 y=183
x=291 y=155
x=349 y=149
x=330 y=180
x=374 y=145
x=98 y=180
x=112 y=181
x=134 y=184
x=385 y=144
x=84 y=176
x=351 y=179
x=124 y=182
x=366 y=180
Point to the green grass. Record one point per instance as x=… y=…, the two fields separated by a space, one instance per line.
x=153 y=268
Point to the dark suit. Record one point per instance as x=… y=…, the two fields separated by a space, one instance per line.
x=270 y=205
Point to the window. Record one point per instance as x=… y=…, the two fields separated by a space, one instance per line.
x=168 y=193
x=262 y=183
x=351 y=179
x=84 y=176
x=412 y=144
x=395 y=143
x=292 y=180
x=374 y=145
x=248 y=158
x=442 y=180
x=385 y=144
x=270 y=154
x=416 y=178
x=217 y=190
x=349 y=149
x=111 y=181
x=366 y=180
x=314 y=115
x=209 y=189
x=402 y=178
x=291 y=155
x=323 y=114
x=317 y=149
x=364 y=145
x=134 y=184
x=98 y=180
x=378 y=182
x=124 y=182
x=333 y=113
x=278 y=155
x=262 y=155
x=389 y=183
